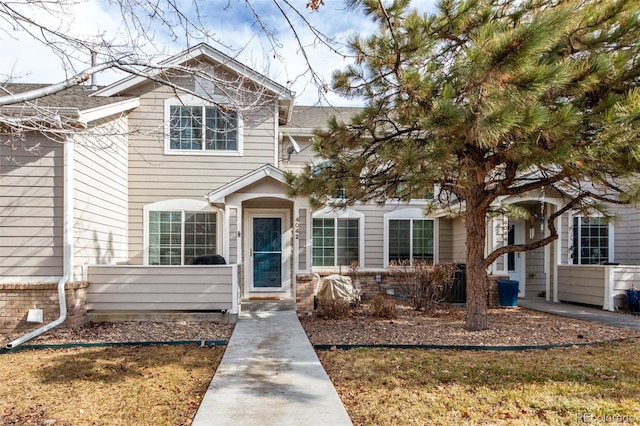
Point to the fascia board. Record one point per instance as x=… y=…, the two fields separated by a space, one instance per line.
x=107 y=110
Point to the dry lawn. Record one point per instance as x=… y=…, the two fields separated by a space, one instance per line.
x=578 y=385
x=150 y=385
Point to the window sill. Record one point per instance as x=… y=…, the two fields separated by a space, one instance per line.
x=204 y=153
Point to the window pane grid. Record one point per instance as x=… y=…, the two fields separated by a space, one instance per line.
x=410 y=239
x=171 y=240
x=399 y=239
x=221 y=130
x=190 y=126
x=422 y=240
x=199 y=235
x=348 y=241
x=185 y=127
x=590 y=241
x=335 y=242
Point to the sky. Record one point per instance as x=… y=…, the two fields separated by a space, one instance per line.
x=232 y=29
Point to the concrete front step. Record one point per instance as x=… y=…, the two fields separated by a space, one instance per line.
x=159 y=316
x=265 y=305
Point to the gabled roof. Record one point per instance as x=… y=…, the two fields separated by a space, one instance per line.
x=218 y=195
x=285 y=95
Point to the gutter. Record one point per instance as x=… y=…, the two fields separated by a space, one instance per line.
x=67 y=268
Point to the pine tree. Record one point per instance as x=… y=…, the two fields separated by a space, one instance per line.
x=485 y=99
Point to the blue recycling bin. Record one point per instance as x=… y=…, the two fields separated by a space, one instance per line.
x=508 y=292
x=633 y=301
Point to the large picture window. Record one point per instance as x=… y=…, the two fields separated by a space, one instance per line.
x=202 y=128
x=590 y=241
x=336 y=241
x=411 y=240
x=176 y=237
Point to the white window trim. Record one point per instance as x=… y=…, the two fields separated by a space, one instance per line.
x=179 y=205
x=610 y=243
x=190 y=100
x=409 y=214
x=329 y=213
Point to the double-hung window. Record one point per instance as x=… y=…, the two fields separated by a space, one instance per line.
x=590 y=240
x=411 y=240
x=195 y=128
x=176 y=237
x=337 y=240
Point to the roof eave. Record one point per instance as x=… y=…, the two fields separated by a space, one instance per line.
x=103 y=111
x=201 y=49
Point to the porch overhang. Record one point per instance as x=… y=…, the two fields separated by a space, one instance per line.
x=219 y=195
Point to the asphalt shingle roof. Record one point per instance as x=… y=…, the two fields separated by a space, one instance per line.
x=314 y=117
x=73 y=97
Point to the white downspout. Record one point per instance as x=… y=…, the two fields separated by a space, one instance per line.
x=67 y=258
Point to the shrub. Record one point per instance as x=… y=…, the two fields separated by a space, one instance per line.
x=428 y=286
x=383 y=307
x=333 y=308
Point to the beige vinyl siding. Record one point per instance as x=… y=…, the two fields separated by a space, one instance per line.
x=581 y=284
x=445 y=241
x=373 y=234
x=154 y=176
x=100 y=195
x=31 y=211
x=459 y=241
x=626 y=235
x=297 y=161
x=140 y=288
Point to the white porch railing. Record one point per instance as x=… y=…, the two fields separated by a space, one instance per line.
x=600 y=285
x=162 y=288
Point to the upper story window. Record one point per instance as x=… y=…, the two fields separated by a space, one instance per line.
x=591 y=239
x=197 y=128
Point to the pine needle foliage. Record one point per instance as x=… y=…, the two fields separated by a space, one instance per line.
x=484 y=99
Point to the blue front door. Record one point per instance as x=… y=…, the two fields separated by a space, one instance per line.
x=267 y=252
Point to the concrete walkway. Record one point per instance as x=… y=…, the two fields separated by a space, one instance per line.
x=581 y=312
x=270 y=375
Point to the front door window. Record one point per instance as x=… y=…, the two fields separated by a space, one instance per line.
x=267 y=252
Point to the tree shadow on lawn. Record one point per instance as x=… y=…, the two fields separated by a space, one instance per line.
x=115 y=364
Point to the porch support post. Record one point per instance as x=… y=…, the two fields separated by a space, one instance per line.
x=608 y=289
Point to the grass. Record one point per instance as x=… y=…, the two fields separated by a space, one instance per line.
x=598 y=384
x=163 y=385
x=152 y=385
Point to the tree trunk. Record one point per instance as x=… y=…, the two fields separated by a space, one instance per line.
x=475 y=225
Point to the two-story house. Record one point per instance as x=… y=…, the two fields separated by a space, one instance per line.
x=107 y=218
